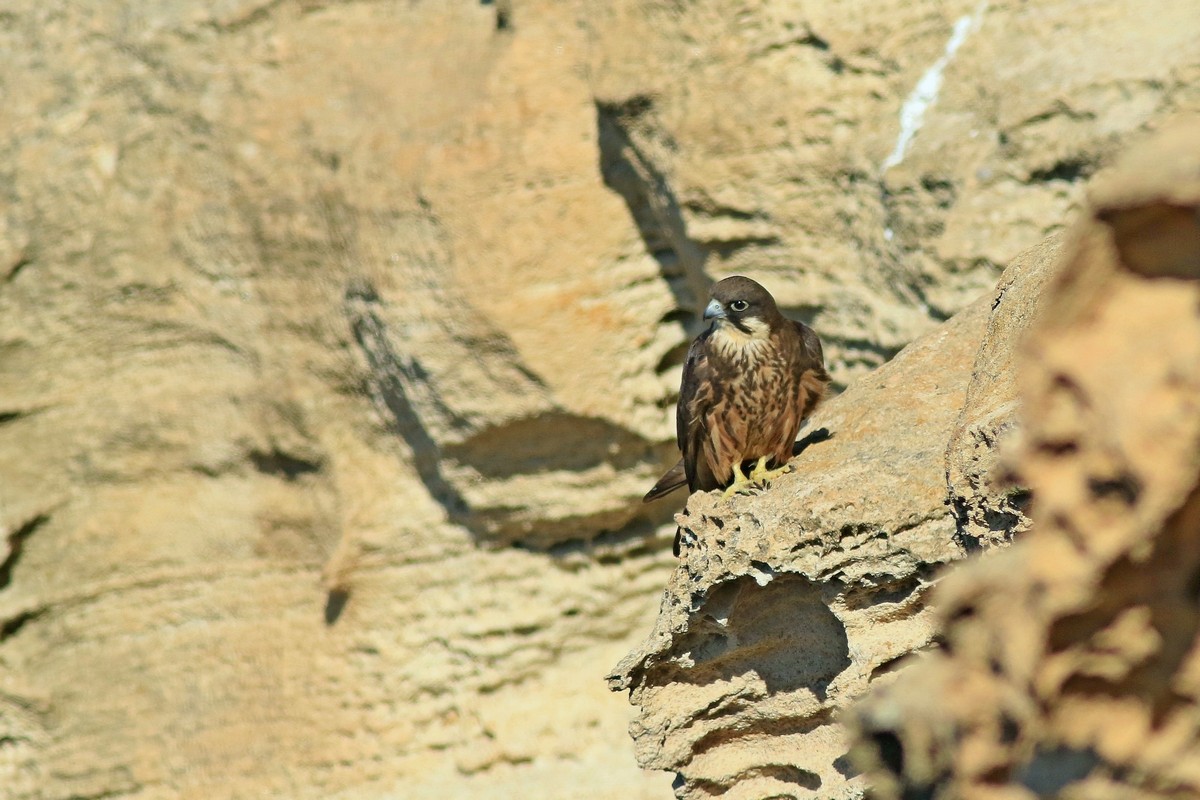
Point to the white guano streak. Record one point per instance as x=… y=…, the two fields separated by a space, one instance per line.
x=912 y=113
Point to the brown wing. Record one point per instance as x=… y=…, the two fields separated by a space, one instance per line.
x=687 y=424
x=696 y=395
x=810 y=369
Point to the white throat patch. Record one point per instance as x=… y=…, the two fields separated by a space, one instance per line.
x=731 y=342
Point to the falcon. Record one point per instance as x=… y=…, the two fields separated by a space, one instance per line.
x=749 y=381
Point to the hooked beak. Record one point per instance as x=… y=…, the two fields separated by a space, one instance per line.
x=714 y=310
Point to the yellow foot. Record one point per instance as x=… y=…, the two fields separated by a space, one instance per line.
x=741 y=484
x=757 y=479
x=761 y=475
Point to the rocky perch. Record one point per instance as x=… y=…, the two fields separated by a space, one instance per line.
x=1069 y=657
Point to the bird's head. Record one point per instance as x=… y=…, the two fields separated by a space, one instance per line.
x=744 y=305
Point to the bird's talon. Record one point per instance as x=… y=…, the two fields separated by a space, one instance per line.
x=763 y=476
x=742 y=487
x=740 y=483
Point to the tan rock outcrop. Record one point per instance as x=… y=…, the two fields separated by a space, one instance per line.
x=1070 y=660
x=338 y=342
x=788 y=605
x=989 y=507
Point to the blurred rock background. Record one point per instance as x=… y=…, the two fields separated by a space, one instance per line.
x=1068 y=664
x=338 y=343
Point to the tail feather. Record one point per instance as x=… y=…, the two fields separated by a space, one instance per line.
x=671 y=480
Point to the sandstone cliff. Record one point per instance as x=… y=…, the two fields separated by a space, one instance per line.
x=338 y=343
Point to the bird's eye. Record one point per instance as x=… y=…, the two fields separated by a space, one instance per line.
x=739 y=305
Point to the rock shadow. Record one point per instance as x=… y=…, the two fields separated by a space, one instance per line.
x=783 y=632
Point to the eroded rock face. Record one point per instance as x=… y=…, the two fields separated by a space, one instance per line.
x=1070 y=660
x=788 y=605
x=338 y=342
x=878 y=166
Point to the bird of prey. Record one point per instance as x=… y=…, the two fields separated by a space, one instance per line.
x=749 y=381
